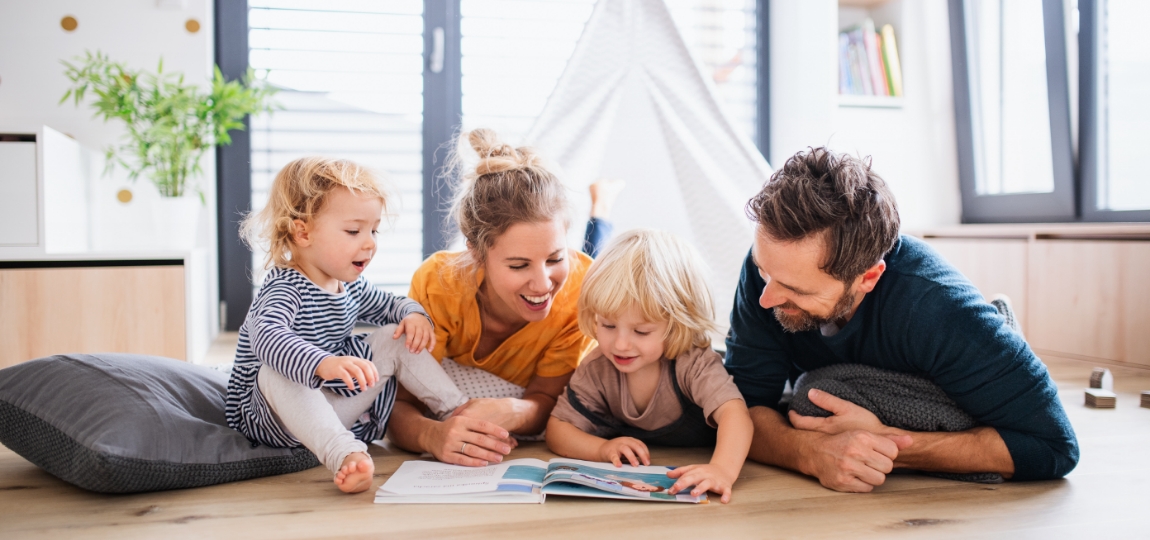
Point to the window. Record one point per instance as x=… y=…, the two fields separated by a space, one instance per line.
x=385 y=83
x=1011 y=59
x=513 y=52
x=1116 y=82
x=350 y=78
x=1016 y=160
x=1008 y=93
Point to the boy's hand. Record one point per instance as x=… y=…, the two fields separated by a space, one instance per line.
x=420 y=333
x=348 y=369
x=705 y=478
x=618 y=448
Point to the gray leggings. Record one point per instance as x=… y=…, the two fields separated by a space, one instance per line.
x=321 y=419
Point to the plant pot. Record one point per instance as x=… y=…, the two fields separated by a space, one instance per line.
x=175 y=222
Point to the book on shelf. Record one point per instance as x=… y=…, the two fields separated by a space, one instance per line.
x=890 y=59
x=868 y=61
x=527 y=481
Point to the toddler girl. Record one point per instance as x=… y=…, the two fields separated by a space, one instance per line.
x=300 y=376
x=653 y=379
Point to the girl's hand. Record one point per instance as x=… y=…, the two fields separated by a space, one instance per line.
x=460 y=440
x=705 y=478
x=625 y=447
x=420 y=332
x=348 y=369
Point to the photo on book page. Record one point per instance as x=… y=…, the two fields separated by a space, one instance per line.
x=526 y=481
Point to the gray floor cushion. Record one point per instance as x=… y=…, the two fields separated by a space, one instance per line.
x=122 y=423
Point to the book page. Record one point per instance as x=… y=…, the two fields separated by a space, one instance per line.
x=643 y=482
x=435 y=478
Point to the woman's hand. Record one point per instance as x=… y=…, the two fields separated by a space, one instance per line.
x=348 y=369
x=420 y=332
x=616 y=449
x=705 y=478
x=460 y=440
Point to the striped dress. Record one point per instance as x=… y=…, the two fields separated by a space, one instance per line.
x=292 y=326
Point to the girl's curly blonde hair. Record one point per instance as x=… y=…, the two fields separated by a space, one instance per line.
x=298 y=192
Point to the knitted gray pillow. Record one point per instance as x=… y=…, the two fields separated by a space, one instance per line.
x=899 y=400
x=123 y=423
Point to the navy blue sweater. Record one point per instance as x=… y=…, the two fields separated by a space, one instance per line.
x=923 y=318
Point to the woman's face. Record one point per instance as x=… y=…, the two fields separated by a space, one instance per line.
x=525 y=268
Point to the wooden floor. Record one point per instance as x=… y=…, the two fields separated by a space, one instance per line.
x=1108 y=495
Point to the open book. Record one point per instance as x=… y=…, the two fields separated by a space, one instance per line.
x=527 y=481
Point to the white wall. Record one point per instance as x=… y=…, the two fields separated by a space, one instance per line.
x=913 y=146
x=138 y=32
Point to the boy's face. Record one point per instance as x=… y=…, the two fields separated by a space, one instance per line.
x=339 y=242
x=629 y=341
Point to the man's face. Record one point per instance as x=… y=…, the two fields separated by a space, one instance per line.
x=802 y=296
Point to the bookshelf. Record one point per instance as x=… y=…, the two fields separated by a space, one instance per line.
x=869 y=55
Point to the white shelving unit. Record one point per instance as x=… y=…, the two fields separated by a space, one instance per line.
x=854 y=12
x=875 y=102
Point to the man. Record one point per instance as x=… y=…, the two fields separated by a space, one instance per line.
x=830 y=281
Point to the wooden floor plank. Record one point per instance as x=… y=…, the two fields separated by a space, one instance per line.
x=1105 y=495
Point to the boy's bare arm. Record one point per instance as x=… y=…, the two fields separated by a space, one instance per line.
x=571 y=442
x=731 y=446
x=565 y=439
x=734 y=438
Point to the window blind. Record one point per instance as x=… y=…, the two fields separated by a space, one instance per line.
x=350 y=78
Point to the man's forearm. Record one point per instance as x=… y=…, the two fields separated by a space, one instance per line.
x=976 y=450
x=775 y=442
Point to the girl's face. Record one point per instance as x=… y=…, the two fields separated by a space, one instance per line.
x=631 y=342
x=339 y=241
x=525 y=268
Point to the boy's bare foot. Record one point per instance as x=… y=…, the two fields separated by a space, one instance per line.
x=355 y=474
x=603 y=194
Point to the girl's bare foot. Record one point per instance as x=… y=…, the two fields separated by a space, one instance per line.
x=603 y=194
x=355 y=474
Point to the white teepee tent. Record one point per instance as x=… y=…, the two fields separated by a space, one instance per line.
x=632 y=104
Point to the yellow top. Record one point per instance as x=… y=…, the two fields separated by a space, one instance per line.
x=549 y=348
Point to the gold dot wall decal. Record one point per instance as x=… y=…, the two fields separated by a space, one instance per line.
x=192 y=25
x=69 y=23
x=124 y=196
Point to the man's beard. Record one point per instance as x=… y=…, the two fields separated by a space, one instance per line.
x=804 y=320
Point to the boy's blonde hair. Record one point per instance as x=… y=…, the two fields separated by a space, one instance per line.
x=660 y=274
x=299 y=192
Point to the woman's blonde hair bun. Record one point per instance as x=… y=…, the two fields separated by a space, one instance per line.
x=508 y=185
x=495 y=156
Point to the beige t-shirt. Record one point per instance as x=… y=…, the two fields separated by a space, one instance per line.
x=603 y=390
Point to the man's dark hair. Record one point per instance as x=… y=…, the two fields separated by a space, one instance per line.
x=837 y=195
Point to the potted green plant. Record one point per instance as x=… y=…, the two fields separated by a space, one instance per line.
x=170 y=123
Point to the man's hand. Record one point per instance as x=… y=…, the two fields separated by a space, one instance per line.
x=854 y=461
x=845 y=416
x=420 y=332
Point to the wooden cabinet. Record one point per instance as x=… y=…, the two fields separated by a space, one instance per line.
x=994 y=266
x=86 y=306
x=1092 y=299
x=1081 y=291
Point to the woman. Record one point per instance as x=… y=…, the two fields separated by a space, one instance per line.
x=505 y=305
